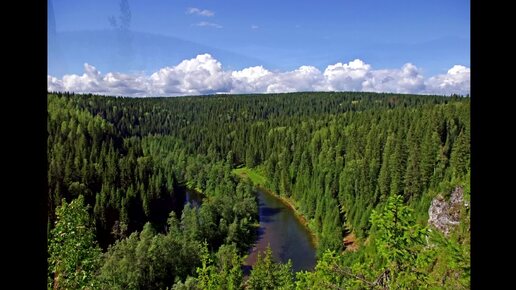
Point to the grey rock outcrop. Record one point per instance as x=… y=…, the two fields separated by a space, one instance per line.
x=444 y=215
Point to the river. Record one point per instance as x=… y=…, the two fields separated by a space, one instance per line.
x=279 y=228
x=287 y=236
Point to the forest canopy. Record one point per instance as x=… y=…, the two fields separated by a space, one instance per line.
x=360 y=165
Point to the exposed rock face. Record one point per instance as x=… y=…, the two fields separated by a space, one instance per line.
x=445 y=215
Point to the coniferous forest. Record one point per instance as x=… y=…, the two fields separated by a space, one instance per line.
x=376 y=176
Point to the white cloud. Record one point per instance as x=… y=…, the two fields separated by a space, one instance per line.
x=200 y=12
x=200 y=75
x=251 y=79
x=93 y=82
x=258 y=79
x=255 y=26
x=408 y=79
x=347 y=77
x=208 y=24
x=305 y=78
x=457 y=81
x=205 y=75
x=54 y=84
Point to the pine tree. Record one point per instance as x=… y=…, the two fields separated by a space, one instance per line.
x=267 y=274
x=460 y=160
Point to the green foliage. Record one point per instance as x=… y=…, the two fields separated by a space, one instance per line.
x=189 y=284
x=225 y=273
x=340 y=157
x=74 y=254
x=150 y=260
x=459 y=160
x=255 y=177
x=397 y=233
x=153 y=260
x=267 y=274
x=399 y=241
x=451 y=267
x=330 y=273
x=410 y=257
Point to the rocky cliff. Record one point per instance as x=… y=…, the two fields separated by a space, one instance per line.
x=444 y=215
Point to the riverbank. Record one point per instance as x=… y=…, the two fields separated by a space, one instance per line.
x=259 y=181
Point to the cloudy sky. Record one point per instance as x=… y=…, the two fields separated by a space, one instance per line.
x=190 y=47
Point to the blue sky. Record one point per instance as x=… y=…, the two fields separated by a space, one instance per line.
x=281 y=35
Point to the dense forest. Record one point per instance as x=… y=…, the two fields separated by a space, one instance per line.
x=362 y=168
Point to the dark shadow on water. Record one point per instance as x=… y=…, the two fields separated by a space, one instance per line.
x=259 y=233
x=266 y=213
x=283 y=253
x=246 y=269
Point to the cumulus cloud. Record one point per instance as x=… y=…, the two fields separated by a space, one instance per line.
x=200 y=75
x=305 y=78
x=93 y=82
x=200 y=12
x=251 y=79
x=456 y=81
x=205 y=75
x=347 y=77
x=258 y=79
x=208 y=24
x=408 y=79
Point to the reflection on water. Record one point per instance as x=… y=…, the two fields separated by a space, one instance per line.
x=280 y=229
x=193 y=197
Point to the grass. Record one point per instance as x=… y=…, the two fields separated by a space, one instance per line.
x=255 y=175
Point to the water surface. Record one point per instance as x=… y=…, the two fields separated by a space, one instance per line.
x=287 y=236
